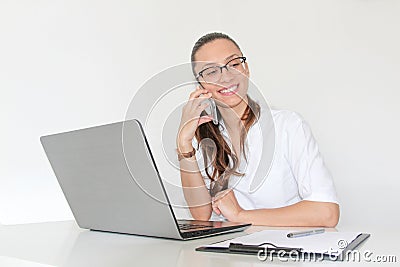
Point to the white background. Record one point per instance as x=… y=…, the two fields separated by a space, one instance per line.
x=71 y=64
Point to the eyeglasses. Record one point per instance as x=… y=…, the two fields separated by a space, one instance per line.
x=213 y=74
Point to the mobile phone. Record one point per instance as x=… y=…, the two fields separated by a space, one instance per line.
x=211 y=110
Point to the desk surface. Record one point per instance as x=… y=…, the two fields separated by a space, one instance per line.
x=65 y=244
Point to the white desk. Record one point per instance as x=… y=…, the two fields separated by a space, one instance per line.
x=65 y=244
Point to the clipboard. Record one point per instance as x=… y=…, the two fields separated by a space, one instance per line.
x=282 y=251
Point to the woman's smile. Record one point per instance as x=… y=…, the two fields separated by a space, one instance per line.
x=229 y=90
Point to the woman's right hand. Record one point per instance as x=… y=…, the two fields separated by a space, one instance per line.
x=191 y=118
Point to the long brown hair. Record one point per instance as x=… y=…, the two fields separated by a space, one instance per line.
x=221 y=157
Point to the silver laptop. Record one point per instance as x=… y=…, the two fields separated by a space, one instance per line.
x=107 y=184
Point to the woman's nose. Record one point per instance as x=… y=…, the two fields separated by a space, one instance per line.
x=226 y=75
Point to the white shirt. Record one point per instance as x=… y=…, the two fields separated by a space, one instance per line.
x=297 y=171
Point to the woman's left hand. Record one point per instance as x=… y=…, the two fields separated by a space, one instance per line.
x=225 y=203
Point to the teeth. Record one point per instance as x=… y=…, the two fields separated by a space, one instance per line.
x=233 y=88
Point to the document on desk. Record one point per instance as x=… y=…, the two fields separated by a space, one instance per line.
x=332 y=243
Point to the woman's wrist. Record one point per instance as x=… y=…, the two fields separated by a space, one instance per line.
x=243 y=216
x=184 y=146
x=187 y=155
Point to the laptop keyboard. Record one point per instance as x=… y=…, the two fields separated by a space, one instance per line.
x=189 y=226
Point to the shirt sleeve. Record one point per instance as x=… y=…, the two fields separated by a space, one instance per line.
x=314 y=180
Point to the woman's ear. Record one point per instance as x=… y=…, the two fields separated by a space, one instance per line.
x=247 y=69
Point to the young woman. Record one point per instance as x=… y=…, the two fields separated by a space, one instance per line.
x=298 y=191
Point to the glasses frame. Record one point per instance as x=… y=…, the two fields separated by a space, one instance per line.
x=200 y=74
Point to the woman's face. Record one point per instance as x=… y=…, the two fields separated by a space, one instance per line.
x=231 y=88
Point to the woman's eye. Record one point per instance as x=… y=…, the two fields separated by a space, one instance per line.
x=210 y=73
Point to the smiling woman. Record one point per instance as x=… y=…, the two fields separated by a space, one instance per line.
x=299 y=190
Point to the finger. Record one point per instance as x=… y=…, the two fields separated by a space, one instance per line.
x=198 y=105
x=202 y=105
x=204 y=119
x=196 y=102
x=216 y=209
x=199 y=100
x=196 y=93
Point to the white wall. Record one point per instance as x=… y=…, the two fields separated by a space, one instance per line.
x=71 y=64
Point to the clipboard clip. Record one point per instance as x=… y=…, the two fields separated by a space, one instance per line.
x=254 y=249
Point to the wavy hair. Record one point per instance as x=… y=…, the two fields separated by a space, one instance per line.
x=222 y=158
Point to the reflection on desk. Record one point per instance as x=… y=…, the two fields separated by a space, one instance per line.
x=65 y=244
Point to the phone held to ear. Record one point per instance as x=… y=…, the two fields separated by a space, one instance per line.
x=211 y=110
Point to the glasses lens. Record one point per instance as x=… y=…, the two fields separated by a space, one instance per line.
x=236 y=66
x=212 y=74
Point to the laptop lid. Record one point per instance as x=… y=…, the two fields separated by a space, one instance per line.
x=110 y=185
